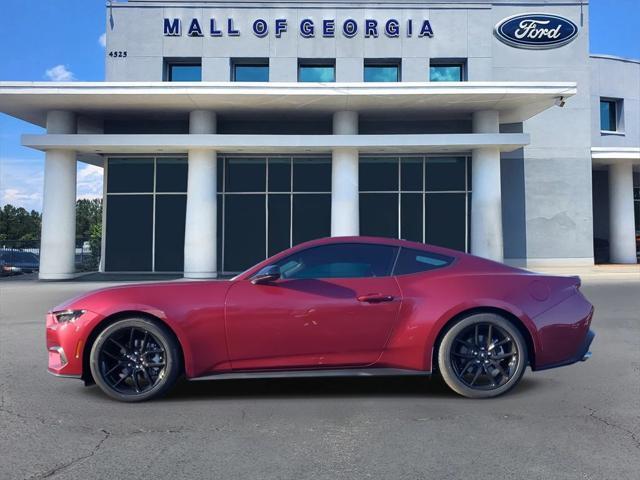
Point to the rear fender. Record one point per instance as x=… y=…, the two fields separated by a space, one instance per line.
x=461 y=309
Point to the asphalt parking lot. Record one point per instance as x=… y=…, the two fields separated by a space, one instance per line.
x=578 y=422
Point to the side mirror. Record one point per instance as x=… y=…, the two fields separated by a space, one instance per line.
x=266 y=275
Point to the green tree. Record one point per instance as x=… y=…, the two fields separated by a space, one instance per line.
x=16 y=223
x=88 y=214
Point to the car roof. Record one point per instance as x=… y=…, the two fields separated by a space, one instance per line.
x=379 y=241
x=353 y=239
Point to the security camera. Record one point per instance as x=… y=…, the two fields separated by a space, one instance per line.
x=560 y=102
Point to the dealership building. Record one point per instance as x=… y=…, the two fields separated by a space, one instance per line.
x=231 y=130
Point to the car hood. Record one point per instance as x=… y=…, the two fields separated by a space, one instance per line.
x=145 y=296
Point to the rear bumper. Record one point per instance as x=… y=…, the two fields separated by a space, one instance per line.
x=582 y=355
x=564 y=333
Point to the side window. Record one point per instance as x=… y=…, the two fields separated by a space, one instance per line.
x=345 y=260
x=414 y=261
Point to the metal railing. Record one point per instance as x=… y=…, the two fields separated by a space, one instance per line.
x=11 y=252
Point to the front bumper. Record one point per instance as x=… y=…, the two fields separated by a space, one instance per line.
x=65 y=344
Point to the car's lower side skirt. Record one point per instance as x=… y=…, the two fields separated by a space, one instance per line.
x=339 y=372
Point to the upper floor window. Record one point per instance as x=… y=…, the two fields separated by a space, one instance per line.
x=382 y=70
x=317 y=70
x=250 y=70
x=183 y=70
x=610 y=115
x=447 y=71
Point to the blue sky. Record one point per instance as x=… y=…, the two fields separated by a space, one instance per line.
x=61 y=40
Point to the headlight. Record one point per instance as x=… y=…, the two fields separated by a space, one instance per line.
x=68 y=315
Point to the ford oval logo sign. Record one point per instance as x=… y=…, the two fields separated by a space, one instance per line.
x=536 y=31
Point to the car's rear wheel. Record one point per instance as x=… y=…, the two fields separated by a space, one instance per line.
x=135 y=359
x=482 y=356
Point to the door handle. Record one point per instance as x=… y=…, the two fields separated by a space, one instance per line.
x=375 y=298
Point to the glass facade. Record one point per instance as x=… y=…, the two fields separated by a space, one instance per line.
x=446 y=73
x=316 y=72
x=250 y=72
x=275 y=203
x=145 y=214
x=184 y=72
x=267 y=204
x=608 y=116
x=381 y=72
x=423 y=199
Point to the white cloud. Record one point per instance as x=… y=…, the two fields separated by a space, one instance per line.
x=21 y=182
x=102 y=40
x=59 y=73
x=89 y=181
x=20 y=197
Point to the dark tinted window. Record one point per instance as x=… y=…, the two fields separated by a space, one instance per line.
x=608 y=120
x=170 y=218
x=411 y=174
x=381 y=73
x=446 y=73
x=413 y=261
x=316 y=73
x=184 y=72
x=446 y=173
x=411 y=216
x=311 y=175
x=279 y=222
x=244 y=238
x=348 y=260
x=250 y=73
x=171 y=175
x=130 y=175
x=379 y=214
x=279 y=175
x=129 y=233
x=311 y=217
x=246 y=175
x=445 y=220
x=378 y=174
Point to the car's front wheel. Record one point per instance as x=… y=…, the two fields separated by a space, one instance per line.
x=135 y=359
x=481 y=356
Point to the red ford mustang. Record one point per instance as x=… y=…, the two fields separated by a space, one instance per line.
x=336 y=306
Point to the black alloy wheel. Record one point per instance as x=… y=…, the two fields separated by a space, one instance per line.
x=482 y=356
x=135 y=359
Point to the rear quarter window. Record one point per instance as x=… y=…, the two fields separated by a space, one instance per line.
x=414 y=261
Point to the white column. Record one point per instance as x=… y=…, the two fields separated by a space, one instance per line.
x=486 y=197
x=58 y=233
x=345 y=213
x=622 y=242
x=201 y=218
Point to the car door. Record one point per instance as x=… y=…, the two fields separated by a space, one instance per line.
x=333 y=306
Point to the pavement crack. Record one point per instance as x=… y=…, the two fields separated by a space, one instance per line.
x=66 y=466
x=634 y=437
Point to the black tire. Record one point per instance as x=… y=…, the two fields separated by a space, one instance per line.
x=135 y=359
x=482 y=356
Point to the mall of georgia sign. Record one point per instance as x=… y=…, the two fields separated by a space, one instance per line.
x=536 y=31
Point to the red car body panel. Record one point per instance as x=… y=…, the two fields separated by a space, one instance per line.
x=225 y=326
